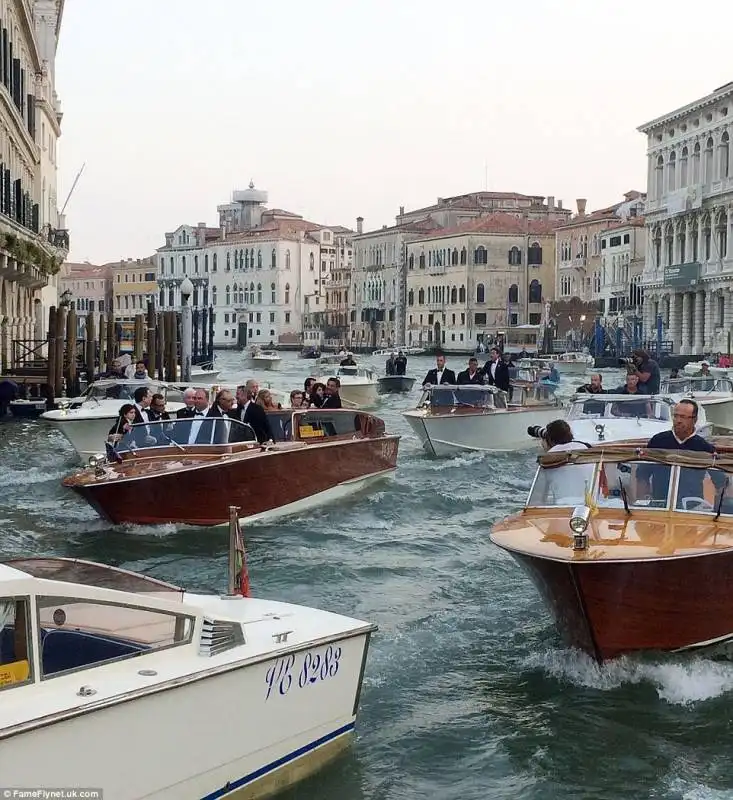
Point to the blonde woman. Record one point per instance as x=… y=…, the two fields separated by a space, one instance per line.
x=265 y=399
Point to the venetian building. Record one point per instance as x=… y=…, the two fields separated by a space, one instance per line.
x=688 y=275
x=33 y=239
x=468 y=283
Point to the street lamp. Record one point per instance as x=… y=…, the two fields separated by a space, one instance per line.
x=186 y=329
x=65 y=298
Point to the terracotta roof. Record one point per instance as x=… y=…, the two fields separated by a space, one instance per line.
x=500 y=223
x=473 y=200
x=419 y=226
x=280 y=212
x=596 y=216
x=74 y=271
x=631 y=222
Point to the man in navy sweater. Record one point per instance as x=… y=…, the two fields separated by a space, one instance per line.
x=682 y=436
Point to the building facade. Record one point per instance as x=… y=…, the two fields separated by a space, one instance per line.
x=469 y=283
x=617 y=285
x=338 y=288
x=688 y=275
x=88 y=288
x=33 y=243
x=134 y=284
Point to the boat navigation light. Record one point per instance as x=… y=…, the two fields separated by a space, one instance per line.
x=579 y=525
x=600 y=431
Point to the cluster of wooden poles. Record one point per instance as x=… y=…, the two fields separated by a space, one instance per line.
x=155 y=342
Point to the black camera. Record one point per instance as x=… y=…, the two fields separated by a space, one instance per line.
x=536 y=431
x=626 y=362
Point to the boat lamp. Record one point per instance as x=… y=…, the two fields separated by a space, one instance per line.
x=97 y=463
x=579 y=526
x=600 y=431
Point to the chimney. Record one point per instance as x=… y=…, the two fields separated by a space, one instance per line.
x=402 y=211
x=581 y=206
x=360 y=225
x=201 y=225
x=223 y=232
x=550 y=203
x=559 y=205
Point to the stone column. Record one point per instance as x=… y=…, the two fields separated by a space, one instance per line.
x=673 y=333
x=685 y=337
x=711 y=309
x=648 y=316
x=727 y=316
x=729 y=234
x=698 y=323
x=700 y=240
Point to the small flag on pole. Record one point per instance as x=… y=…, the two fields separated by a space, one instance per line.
x=238 y=573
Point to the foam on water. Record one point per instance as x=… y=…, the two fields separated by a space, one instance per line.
x=684 y=681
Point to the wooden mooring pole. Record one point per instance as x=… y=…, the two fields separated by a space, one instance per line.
x=152 y=345
x=91 y=346
x=59 y=345
x=72 y=388
x=51 y=354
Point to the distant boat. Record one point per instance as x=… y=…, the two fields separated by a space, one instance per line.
x=395 y=384
x=265 y=359
x=310 y=352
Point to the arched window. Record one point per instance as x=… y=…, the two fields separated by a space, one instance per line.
x=515 y=256
x=213 y=295
x=171 y=298
x=672 y=172
x=683 y=167
x=213 y=263
x=162 y=298
x=464 y=256
x=287 y=259
x=724 y=159
x=251 y=293
x=659 y=177
x=535 y=292
x=287 y=294
x=312 y=262
x=454 y=257
x=696 y=163
x=411 y=297
x=454 y=290
x=480 y=293
x=274 y=259
x=480 y=256
x=421 y=297
x=421 y=262
x=709 y=176
x=246 y=259
x=514 y=293
x=196 y=264
x=534 y=254
x=411 y=261
x=227 y=296
x=206 y=262
x=229 y=261
x=259 y=294
x=259 y=259
x=273 y=293
x=246 y=294
x=462 y=294
x=241 y=259
x=236 y=259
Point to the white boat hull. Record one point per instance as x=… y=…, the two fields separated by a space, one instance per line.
x=261 y=363
x=718 y=410
x=248 y=730
x=448 y=435
x=362 y=395
x=572 y=367
x=204 y=377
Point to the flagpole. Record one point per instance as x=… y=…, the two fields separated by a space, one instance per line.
x=232 y=571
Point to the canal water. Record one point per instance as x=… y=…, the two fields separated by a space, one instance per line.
x=469 y=694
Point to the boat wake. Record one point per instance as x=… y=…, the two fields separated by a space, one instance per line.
x=678 y=680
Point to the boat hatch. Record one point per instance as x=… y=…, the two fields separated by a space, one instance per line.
x=444 y=396
x=76 y=633
x=190 y=432
x=604 y=406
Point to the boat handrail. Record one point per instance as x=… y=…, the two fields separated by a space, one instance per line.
x=617 y=452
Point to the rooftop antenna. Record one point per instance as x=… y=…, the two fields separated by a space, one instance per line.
x=73 y=186
x=486 y=176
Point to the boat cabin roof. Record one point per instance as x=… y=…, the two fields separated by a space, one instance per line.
x=122 y=389
x=619 y=406
x=697 y=383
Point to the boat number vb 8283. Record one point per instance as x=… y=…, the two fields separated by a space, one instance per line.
x=299 y=670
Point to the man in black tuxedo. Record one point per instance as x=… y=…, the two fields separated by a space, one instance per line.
x=441 y=373
x=472 y=376
x=189 y=411
x=215 y=428
x=248 y=412
x=497 y=371
x=142 y=397
x=332 y=398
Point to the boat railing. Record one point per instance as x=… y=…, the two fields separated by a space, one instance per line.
x=696 y=385
x=182 y=434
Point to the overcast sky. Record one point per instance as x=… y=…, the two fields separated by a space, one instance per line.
x=341 y=108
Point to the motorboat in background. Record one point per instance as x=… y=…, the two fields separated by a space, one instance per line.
x=85 y=421
x=455 y=419
x=274 y=687
x=631 y=549
x=153 y=476
x=309 y=352
x=597 y=418
x=395 y=384
x=408 y=351
x=573 y=363
x=359 y=386
x=264 y=359
x=28 y=408
x=714 y=395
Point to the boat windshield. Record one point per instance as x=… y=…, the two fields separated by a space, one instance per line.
x=703 y=491
x=469 y=396
x=604 y=406
x=191 y=431
x=644 y=484
x=696 y=384
x=564 y=485
x=121 y=390
x=88 y=573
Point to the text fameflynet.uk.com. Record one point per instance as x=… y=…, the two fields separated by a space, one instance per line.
x=49 y=793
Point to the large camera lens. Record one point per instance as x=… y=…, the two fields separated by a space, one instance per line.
x=536 y=431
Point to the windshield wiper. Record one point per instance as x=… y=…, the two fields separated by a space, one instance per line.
x=723 y=490
x=174 y=443
x=624 y=497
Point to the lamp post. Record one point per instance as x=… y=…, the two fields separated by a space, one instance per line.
x=186 y=329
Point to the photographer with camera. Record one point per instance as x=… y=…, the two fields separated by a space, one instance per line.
x=646 y=369
x=569 y=484
x=556 y=436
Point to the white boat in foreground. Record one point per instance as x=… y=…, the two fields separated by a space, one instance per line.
x=85 y=420
x=456 y=419
x=127 y=683
x=596 y=418
x=265 y=359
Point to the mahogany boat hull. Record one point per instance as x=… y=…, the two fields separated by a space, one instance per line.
x=609 y=608
x=260 y=483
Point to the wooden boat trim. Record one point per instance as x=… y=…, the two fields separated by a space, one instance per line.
x=613 y=453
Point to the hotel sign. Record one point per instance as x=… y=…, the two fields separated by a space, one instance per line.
x=682 y=275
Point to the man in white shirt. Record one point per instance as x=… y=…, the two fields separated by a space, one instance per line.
x=200 y=409
x=441 y=373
